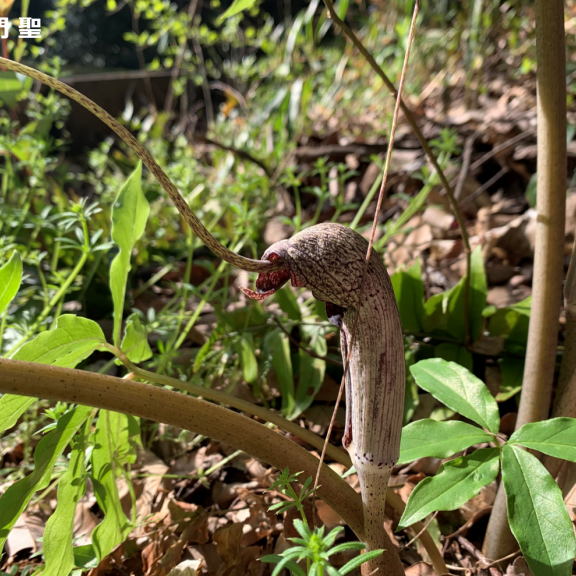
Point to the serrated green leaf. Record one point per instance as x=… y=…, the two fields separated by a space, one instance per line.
x=288 y=303
x=458 y=389
x=248 y=362
x=72 y=340
x=57 y=541
x=428 y=438
x=11 y=408
x=135 y=342
x=455 y=483
x=109 y=436
x=49 y=449
x=279 y=349
x=537 y=514
x=10 y=278
x=409 y=291
x=129 y=215
x=555 y=437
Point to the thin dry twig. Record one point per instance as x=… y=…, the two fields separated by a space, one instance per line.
x=424 y=528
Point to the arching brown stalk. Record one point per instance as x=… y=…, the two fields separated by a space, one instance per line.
x=185 y=210
x=330 y=259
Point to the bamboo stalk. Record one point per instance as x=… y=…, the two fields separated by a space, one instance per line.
x=549 y=249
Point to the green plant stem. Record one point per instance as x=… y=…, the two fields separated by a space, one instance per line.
x=182 y=206
x=549 y=247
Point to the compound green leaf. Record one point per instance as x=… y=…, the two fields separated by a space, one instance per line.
x=57 y=541
x=429 y=438
x=537 y=514
x=129 y=215
x=10 y=278
x=458 y=389
x=555 y=437
x=455 y=483
x=72 y=340
x=49 y=449
x=135 y=342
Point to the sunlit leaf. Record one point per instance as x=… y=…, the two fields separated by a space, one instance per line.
x=11 y=408
x=458 y=389
x=129 y=215
x=455 y=483
x=438 y=439
x=49 y=449
x=72 y=340
x=555 y=437
x=248 y=362
x=537 y=514
x=10 y=278
x=57 y=541
x=135 y=342
x=236 y=7
x=109 y=437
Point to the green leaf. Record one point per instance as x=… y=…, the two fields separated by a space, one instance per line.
x=115 y=527
x=310 y=376
x=10 y=278
x=537 y=514
x=438 y=439
x=49 y=449
x=409 y=291
x=288 y=303
x=359 y=560
x=512 y=324
x=478 y=293
x=512 y=374
x=555 y=437
x=72 y=340
x=11 y=408
x=57 y=541
x=458 y=389
x=135 y=342
x=455 y=483
x=129 y=215
x=236 y=7
x=279 y=348
x=11 y=86
x=85 y=557
x=454 y=353
x=248 y=362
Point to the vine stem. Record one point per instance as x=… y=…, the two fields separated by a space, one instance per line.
x=191 y=219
